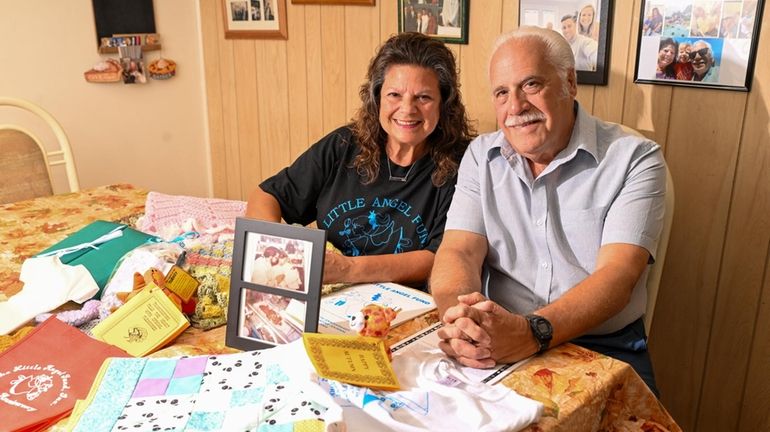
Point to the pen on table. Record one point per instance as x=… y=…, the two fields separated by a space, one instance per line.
x=180 y=259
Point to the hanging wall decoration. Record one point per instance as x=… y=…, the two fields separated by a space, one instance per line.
x=255 y=19
x=443 y=19
x=585 y=24
x=698 y=43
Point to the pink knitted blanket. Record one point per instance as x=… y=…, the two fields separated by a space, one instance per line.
x=170 y=215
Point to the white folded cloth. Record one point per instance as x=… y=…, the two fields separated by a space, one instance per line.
x=48 y=284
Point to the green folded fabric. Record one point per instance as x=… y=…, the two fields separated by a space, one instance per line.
x=98 y=247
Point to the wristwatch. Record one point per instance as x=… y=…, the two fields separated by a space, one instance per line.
x=541 y=330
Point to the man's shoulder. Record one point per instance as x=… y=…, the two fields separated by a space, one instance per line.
x=609 y=134
x=486 y=141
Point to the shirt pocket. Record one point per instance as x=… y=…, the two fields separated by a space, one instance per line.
x=582 y=234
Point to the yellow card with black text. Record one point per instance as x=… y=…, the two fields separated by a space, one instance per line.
x=357 y=360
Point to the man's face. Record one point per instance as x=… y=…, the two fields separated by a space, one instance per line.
x=568 y=29
x=684 y=53
x=533 y=104
x=702 y=58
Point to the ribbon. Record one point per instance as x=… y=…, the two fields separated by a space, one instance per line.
x=93 y=244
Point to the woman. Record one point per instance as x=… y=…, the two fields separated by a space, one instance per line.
x=587 y=24
x=382 y=185
x=666 y=55
x=654 y=23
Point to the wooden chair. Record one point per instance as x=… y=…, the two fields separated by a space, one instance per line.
x=25 y=163
x=656 y=270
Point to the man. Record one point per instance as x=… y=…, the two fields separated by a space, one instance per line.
x=553 y=222
x=703 y=66
x=583 y=48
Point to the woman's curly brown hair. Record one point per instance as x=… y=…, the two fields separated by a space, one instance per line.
x=454 y=131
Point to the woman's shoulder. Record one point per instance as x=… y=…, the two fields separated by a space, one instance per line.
x=339 y=141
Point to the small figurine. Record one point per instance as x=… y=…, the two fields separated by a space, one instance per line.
x=374 y=320
x=155 y=277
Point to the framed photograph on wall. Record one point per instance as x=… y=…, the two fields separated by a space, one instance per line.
x=443 y=19
x=698 y=43
x=586 y=25
x=275 y=284
x=254 y=19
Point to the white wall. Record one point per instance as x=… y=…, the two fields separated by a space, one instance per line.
x=152 y=135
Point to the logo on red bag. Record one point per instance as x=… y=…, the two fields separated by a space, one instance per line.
x=33 y=387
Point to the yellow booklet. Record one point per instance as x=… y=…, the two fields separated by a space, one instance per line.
x=357 y=360
x=144 y=324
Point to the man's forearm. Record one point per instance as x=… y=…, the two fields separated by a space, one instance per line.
x=452 y=275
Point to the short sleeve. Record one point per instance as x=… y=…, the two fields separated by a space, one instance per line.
x=465 y=213
x=636 y=214
x=298 y=186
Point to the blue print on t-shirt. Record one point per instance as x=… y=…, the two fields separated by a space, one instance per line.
x=383 y=223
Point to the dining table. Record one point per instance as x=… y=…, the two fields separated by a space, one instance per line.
x=580 y=390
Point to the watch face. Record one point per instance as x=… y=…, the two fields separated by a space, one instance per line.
x=542 y=327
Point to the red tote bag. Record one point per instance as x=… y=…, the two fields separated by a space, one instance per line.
x=43 y=375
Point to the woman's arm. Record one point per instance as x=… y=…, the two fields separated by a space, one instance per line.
x=263 y=206
x=410 y=268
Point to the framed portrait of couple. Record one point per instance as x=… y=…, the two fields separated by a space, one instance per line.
x=275 y=283
x=442 y=19
x=585 y=24
x=698 y=43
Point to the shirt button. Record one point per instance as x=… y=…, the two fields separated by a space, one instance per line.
x=539 y=222
x=544 y=265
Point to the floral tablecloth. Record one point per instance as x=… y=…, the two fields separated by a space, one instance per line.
x=28 y=227
x=581 y=390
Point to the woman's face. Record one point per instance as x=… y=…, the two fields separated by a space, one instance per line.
x=684 y=53
x=586 y=16
x=410 y=102
x=666 y=55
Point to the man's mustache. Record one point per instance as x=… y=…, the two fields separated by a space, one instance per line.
x=518 y=120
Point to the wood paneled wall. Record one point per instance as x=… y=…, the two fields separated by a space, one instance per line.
x=269 y=100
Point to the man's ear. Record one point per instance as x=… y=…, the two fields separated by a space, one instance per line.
x=572 y=82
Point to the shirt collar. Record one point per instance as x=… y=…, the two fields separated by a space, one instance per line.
x=583 y=138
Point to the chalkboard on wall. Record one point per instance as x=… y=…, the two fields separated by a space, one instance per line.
x=123 y=17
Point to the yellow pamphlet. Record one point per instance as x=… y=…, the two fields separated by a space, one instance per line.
x=144 y=324
x=357 y=360
x=181 y=283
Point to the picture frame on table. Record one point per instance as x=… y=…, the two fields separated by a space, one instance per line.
x=443 y=19
x=255 y=19
x=275 y=283
x=586 y=24
x=698 y=43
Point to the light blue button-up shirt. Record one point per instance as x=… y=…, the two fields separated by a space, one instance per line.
x=544 y=234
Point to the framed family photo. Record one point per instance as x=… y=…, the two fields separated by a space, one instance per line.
x=275 y=284
x=698 y=43
x=443 y=19
x=586 y=25
x=255 y=19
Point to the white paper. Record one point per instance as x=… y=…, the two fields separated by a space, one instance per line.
x=337 y=307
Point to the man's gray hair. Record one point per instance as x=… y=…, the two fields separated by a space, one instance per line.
x=708 y=45
x=557 y=50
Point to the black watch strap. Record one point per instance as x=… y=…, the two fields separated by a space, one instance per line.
x=541 y=330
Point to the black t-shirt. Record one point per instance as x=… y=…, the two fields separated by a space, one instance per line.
x=384 y=217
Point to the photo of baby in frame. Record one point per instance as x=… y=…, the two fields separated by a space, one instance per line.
x=277 y=262
x=270 y=318
x=275 y=283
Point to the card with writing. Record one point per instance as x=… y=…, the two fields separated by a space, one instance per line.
x=357 y=360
